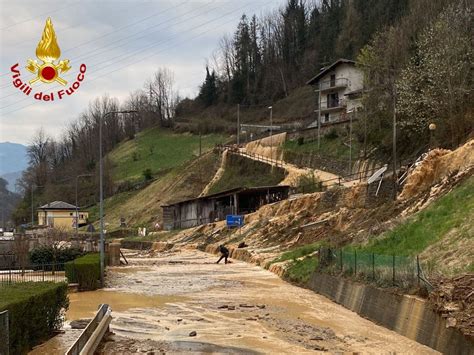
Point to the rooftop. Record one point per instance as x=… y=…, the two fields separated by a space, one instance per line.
x=58 y=205
x=327 y=69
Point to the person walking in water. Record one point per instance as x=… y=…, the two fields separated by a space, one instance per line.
x=224 y=254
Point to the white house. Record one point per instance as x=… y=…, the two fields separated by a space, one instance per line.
x=338 y=88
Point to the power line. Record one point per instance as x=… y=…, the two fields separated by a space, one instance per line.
x=81 y=22
x=127 y=55
x=42 y=15
x=200 y=34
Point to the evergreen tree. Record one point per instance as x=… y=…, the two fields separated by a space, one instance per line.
x=208 y=90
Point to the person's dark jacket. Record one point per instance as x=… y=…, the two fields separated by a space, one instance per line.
x=224 y=250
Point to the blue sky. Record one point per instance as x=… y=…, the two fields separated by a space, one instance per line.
x=122 y=43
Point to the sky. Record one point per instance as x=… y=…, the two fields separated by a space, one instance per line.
x=122 y=44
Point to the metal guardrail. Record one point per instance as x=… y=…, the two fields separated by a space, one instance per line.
x=92 y=335
x=4 y=334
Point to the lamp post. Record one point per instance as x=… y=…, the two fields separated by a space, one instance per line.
x=271 y=131
x=101 y=194
x=432 y=128
x=77 y=204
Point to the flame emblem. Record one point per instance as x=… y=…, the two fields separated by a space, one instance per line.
x=48 y=52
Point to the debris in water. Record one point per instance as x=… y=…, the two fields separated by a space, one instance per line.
x=193 y=334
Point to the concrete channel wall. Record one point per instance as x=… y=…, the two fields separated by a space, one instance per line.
x=409 y=316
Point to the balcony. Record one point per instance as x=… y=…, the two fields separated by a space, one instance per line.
x=332 y=105
x=339 y=83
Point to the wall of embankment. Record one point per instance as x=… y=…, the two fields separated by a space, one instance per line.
x=407 y=315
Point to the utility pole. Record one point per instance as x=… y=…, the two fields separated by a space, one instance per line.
x=238 y=124
x=200 y=142
x=319 y=115
x=271 y=131
x=101 y=195
x=350 y=141
x=394 y=142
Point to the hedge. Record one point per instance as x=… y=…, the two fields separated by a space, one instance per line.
x=48 y=254
x=34 y=312
x=85 y=271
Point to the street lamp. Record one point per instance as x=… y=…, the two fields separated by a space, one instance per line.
x=271 y=131
x=101 y=194
x=432 y=128
x=77 y=206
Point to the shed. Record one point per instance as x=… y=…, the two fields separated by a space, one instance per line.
x=215 y=207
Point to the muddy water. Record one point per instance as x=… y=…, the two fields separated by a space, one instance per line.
x=236 y=308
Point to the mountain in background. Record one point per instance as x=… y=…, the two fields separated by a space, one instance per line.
x=13 y=160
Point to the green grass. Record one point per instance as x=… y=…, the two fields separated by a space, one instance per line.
x=300 y=271
x=429 y=225
x=243 y=172
x=298 y=252
x=331 y=147
x=157 y=149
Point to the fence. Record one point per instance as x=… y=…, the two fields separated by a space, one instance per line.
x=4 y=333
x=383 y=270
x=33 y=273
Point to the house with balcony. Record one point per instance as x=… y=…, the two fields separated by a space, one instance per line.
x=338 y=90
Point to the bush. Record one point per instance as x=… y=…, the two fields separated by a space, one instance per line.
x=51 y=254
x=300 y=141
x=147 y=174
x=309 y=183
x=34 y=311
x=85 y=271
x=332 y=134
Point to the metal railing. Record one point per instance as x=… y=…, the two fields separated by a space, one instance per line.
x=92 y=334
x=384 y=270
x=329 y=84
x=33 y=273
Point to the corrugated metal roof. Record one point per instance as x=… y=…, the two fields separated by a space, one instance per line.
x=228 y=192
x=58 y=205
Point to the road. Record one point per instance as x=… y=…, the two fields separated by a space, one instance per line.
x=159 y=301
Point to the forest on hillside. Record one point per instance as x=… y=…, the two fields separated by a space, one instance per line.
x=416 y=58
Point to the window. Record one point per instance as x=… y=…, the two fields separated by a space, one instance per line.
x=326 y=117
x=333 y=80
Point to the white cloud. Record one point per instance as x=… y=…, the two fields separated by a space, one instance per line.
x=123 y=44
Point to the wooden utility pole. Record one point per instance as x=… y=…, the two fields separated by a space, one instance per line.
x=319 y=115
x=238 y=124
x=394 y=142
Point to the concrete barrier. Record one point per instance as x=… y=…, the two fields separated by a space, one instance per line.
x=407 y=315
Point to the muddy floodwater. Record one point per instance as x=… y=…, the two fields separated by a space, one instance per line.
x=185 y=303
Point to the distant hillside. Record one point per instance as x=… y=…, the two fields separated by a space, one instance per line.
x=11 y=179
x=13 y=157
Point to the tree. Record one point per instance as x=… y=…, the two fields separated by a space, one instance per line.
x=436 y=86
x=208 y=90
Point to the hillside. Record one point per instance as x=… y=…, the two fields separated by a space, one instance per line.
x=159 y=150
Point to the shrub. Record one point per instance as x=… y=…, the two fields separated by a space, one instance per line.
x=332 y=134
x=309 y=183
x=147 y=174
x=51 y=254
x=84 y=270
x=34 y=312
x=300 y=141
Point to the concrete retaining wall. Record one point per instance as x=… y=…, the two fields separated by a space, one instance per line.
x=407 y=315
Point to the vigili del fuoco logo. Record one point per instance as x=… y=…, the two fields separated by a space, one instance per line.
x=49 y=70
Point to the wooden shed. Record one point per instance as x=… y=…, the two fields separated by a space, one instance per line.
x=216 y=207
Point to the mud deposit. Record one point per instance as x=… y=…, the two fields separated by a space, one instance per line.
x=184 y=303
x=233 y=308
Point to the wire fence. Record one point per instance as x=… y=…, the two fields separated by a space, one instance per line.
x=32 y=273
x=383 y=270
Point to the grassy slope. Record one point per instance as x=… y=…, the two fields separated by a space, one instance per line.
x=143 y=207
x=243 y=172
x=157 y=149
x=451 y=211
x=332 y=147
